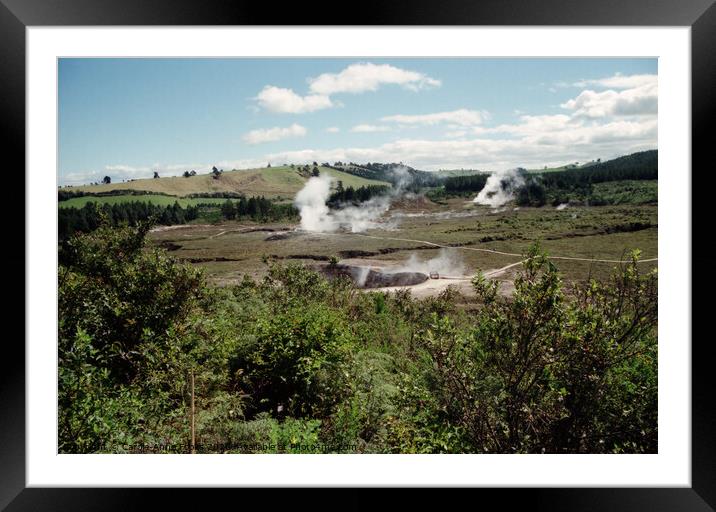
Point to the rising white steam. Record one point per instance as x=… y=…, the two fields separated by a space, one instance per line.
x=360 y=274
x=362 y=217
x=311 y=202
x=500 y=188
x=317 y=216
x=448 y=262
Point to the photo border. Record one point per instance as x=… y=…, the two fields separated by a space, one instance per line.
x=700 y=15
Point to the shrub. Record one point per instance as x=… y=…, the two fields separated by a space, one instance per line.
x=265 y=434
x=538 y=373
x=359 y=423
x=121 y=294
x=121 y=359
x=297 y=363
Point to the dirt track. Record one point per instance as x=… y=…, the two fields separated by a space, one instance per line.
x=493 y=251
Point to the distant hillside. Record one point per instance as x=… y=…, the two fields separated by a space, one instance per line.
x=637 y=166
x=269 y=182
x=387 y=172
x=634 y=160
x=644 y=160
x=634 y=163
x=628 y=179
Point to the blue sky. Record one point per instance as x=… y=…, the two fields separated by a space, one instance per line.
x=128 y=117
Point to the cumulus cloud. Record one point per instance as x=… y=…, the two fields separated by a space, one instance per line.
x=369 y=128
x=273 y=134
x=634 y=95
x=630 y=102
x=461 y=117
x=278 y=99
x=363 y=77
x=356 y=78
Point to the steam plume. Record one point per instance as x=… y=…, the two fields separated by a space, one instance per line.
x=311 y=202
x=500 y=188
x=448 y=262
x=317 y=216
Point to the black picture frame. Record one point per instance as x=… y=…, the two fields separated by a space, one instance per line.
x=700 y=15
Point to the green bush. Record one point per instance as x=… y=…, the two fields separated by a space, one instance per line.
x=122 y=295
x=539 y=373
x=297 y=364
x=359 y=422
x=265 y=434
x=121 y=359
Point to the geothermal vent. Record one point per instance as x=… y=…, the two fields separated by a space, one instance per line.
x=365 y=277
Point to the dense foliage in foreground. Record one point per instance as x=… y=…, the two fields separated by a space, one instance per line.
x=296 y=363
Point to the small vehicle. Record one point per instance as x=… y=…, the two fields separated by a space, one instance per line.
x=434 y=275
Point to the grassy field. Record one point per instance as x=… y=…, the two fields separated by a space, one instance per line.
x=274 y=182
x=230 y=250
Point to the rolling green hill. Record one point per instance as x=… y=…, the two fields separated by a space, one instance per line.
x=273 y=182
x=640 y=159
x=386 y=172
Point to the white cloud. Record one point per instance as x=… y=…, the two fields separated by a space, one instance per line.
x=369 y=128
x=563 y=130
x=602 y=124
x=333 y=129
x=461 y=117
x=617 y=95
x=273 y=134
x=490 y=154
x=623 y=131
x=278 y=99
x=619 y=81
x=529 y=125
x=362 y=77
x=356 y=78
x=642 y=100
x=455 y=134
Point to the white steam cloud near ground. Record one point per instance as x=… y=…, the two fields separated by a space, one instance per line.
x=500 y=188
x=312 y=200
x=448 y=262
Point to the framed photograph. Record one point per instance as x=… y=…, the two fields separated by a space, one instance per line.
x=432 y=247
